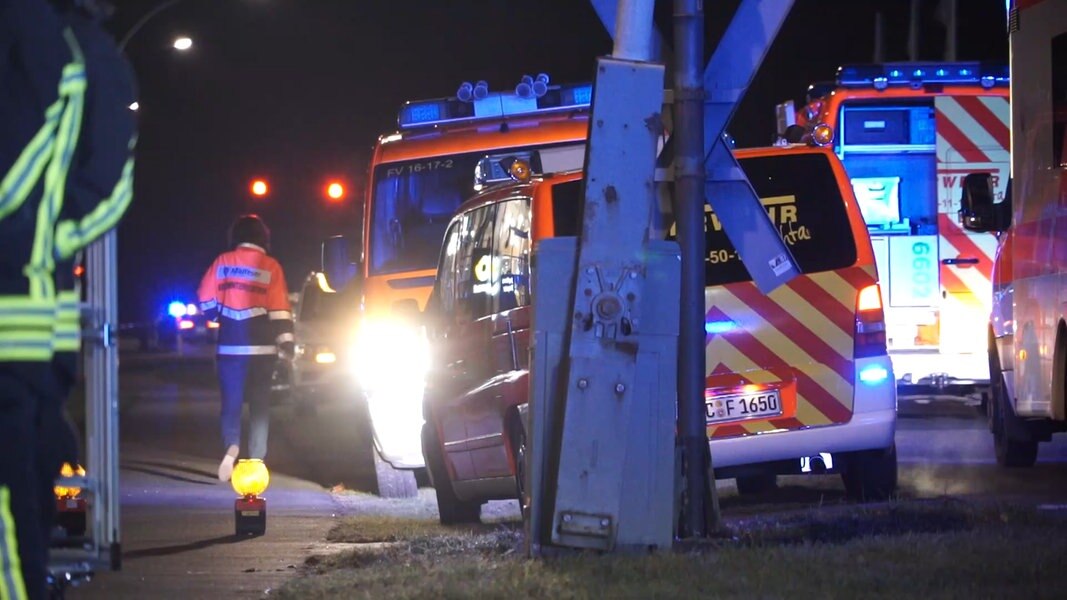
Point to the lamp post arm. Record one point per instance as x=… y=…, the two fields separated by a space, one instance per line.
x=141 y=22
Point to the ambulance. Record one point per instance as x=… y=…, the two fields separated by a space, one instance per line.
x=1027 y=329
x=908 y=134
x=444 y=151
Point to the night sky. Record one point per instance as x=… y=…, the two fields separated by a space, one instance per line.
x=297 y=91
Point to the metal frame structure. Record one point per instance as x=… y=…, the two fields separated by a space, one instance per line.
x=101 y=547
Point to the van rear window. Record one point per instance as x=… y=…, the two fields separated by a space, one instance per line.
x=803 y=199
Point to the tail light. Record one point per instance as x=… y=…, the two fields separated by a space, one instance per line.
x=870 y=323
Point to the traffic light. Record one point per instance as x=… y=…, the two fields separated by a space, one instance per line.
x=259 y=188
x=335 y=191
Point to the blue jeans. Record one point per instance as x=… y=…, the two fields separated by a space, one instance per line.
x=246 y=379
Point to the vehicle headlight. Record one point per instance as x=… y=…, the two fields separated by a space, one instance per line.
x=388 y=355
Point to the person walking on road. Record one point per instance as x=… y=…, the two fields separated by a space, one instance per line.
x=66 y=172
x=244 y=290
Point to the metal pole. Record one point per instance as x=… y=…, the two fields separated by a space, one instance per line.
x=145 y=19
x=103 y=392
x=913 y=31
x=633 y=30
x=950 y=34
x=879 y=37
x=689 y=216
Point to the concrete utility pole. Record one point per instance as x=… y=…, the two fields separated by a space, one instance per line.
x=605 y=356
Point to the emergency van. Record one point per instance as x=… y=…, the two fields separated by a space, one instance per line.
x=1027 y=345
x=907 y=134
x=445 y=150
x=798 y=381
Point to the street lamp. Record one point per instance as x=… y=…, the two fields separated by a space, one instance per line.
x=183 y=43
x=259 y=188
x=335 y=191
x=147 y=17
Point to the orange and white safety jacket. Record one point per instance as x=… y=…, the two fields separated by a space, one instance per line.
x=245 y=290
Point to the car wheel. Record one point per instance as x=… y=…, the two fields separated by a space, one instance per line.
x=1010 y=452
x=870 y=475
x=519 y=452
x=756 y=484
x=451 y=509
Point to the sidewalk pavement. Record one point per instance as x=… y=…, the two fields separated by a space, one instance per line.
x=178 y=538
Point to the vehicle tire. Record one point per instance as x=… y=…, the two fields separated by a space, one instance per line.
x=393 y=482
x=756 y=484
x=1009 y=452
x=452 y=510
x=519 y=451
x=870 y=475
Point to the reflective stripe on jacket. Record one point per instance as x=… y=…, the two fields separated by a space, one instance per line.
x=245 y=290
x=66 y=164
x=27 y=220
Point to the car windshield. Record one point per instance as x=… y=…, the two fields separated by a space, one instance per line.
x=414 y=200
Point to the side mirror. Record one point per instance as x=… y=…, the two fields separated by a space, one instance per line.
x=976 y=203
x=337 y=264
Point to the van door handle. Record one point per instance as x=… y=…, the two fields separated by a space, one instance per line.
x=959 y=261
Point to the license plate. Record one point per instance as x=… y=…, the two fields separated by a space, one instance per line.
x=743 y=406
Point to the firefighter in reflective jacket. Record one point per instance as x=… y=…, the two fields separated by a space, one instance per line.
x=66 y=166
x=244 y=289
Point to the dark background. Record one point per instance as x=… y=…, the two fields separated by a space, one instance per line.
x=297 y=91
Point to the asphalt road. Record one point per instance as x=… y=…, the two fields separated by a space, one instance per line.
x=178 y=523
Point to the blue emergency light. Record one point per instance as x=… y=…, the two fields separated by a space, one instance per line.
x=424 y=113
x=177 y=309
x=881 y=76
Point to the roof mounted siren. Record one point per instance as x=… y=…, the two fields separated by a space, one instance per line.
x=533 y=95
x=470 y=93
x=532 y=87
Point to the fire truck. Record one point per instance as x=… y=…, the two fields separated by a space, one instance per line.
x=908 y=134
x=1027 y=333
x=444 y=151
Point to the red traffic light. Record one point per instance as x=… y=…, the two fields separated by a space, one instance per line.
x=335 y=191
x=259 y=187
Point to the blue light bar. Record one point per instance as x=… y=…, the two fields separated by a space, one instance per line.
x=880 y=76
x=425 y=113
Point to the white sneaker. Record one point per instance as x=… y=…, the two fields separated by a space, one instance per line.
x=226 y=466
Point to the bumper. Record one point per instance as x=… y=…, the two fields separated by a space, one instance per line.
x=397 y=422
x=872 y=426
x=939 y=371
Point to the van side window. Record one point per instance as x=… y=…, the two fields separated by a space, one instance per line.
x=1059 y=100
x=474 y=264
x=567 y=208
x=445 y=293
x=803 y=198
x=512 y=255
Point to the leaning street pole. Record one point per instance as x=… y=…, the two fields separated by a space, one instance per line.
x=699 y=505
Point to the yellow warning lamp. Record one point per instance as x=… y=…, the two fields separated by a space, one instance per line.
x=519 y=170
x=250 y=477
x=822 y=134
x=69 y=471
